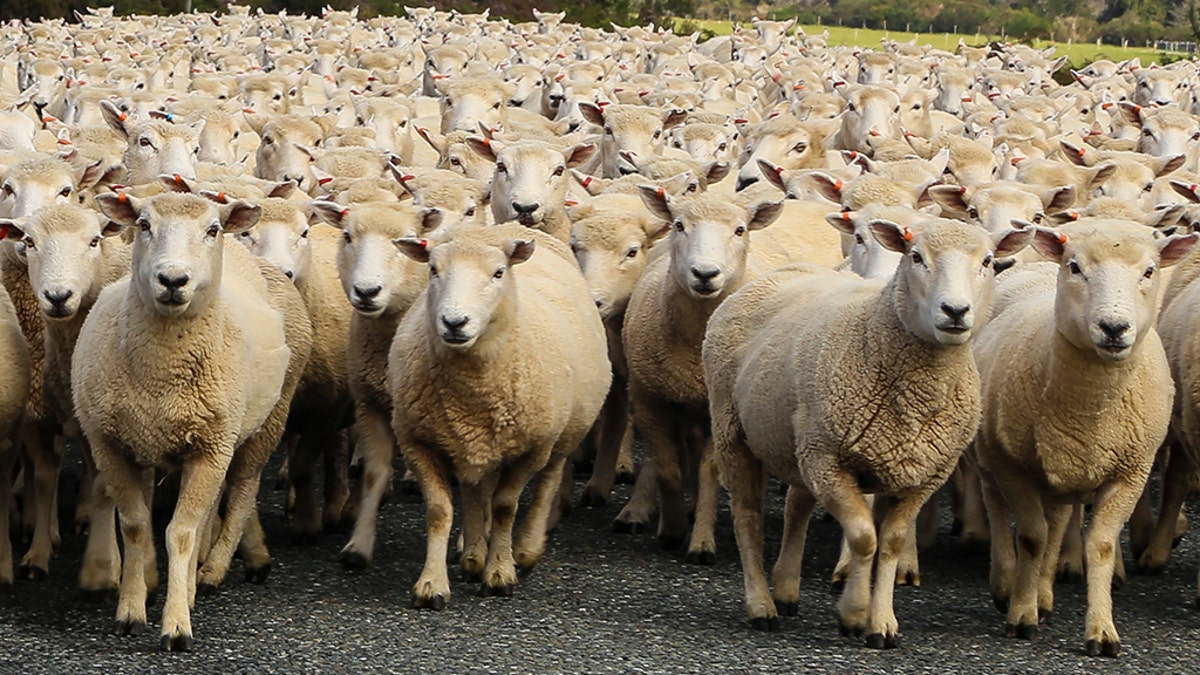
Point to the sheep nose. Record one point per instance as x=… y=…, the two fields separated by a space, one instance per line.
x=454 y=323
x=525 y=208
x=705 y=273
x=743 y=183
x=58 y=299
x=367 y=292
x=955 y=313
x=298 y=180
x=173 y=282
x=1112 y=331
x=1163 y=102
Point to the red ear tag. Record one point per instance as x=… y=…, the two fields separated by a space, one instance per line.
x=908 y=235
x=487 y=142
x=570 y=202
x=587 y=181
x=221 y=198
x=661 y=193
x=344 y=213
x=323 y=181
x=838 y=185
x=424 y=243
x=1062 y=238
x=962 y=190
x=123 y=117
x=1082 y=151
x=122 y=197
x=846 y=216
x=406 y=177
x=779 y=171
x=179 y=180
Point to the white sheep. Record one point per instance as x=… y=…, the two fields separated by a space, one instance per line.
x=496 y=375
x=189 y=363
x=1082 y=422
x=841 y=386
x=14 y=392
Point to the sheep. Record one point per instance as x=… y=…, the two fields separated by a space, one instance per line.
x=784 y=142
x=14 y=392
x=281 y=155
x=708 y=256
x=193 y=306
x=459 y=199
x=635 y=130
x=381 y=285
x=530 y=181
x=828 y=420
x=996 y=205
x=155 y=147
x=473 y=103
x=460 y=373
x=1094 y=433
x=871 y=111
x=321 y=405
x=455 y=155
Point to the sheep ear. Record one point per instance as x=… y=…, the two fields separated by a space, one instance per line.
x=330 y=212
x=940 y=161
x=9 y=229
x=434 y=139
x=431 y=219
x=579 y=154
x=657 y=200
x=829 y=187
x=1163 y=216
x=952 y=198
x=1049 y=243
x=655 y=229
x=1009 y=242
x=763 y=214
x=111 y=229
x=1175 y=248
x=119 y=207
x=1165 y=165
x=417 y=249
x=484 y=147
x=674 y=117
x=1074 y=153
x=90 y=174
x=114 y=118
x=175 y=183
x=773 y=173
x=283 y=190
x=239 y=216
x=257 y=121
x=1131 y=111
x=1100 y=174
x=716 y=172
x=1059 y=198
x=843 y=221
x=592 y=113
x=1189 y=191
x=892 y=236
x=519 y=250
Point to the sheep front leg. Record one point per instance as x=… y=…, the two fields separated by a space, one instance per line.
x=798 y=509
x=531 y=543
x=633 y=518
x=1032 y=535
x=660 y=425
x=1069 y=563
x=1176 y=475
x=476 y=508
x=99 y=574
x=975 y=535
x=702 y=549
x=45 y=451
x=432 y=589
x=1004 y=553
x=500 y=575
x=744 y=476
x=8 y=456
x=839 y=494
x=610 y=432
x=302 y=463
x=378 y=445
x=337 y=482
x=896 y=530
x=1060 y=523
x=1114 y=504
x=127 y=484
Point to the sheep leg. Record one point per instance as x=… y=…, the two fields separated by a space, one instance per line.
x=976 y=533
x=99 y=574
x=256 y=559
x=1032 y=535
x=127 y=484
x=908 y=570
x=1176 y=475
x=610 y=434
x=432 y=589
x=798 y=509
x=337 y=481
x=839 y=494
x=45 y=452
x=747 y=482
x=664 y=439
x=476 y=499
x=84 y=504
x=378 y=444
x=531 y=542
x=1114 y=504
x=199 y=489
x=1003 y=551
x=7 y=460
x=633 y=518
x=842 y=569
x=895 y=533
x=500 y=574
x=1069 y=566
x=702 y=549
x=1060 y=520
x=302 y=464
x=625 y=464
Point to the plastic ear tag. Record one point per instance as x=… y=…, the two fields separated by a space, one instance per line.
x=908 y=235
x=1062 y=239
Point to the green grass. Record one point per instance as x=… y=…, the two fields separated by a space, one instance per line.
x=1077 y=53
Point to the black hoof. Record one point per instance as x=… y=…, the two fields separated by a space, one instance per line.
x=97 y=595
x=837 y=585
x=207 y=589
x=353 y=561
x=436 y=603
x=32 y=573
x=1174 y=542
x=1023 y=631
x=592 y=500
x=881 y=641
x=787 y=608
x=766 y=624
x=701 y=557
x=628 y=527
x=258 y=575
x=1000 y=603
x=501 y=591
x=669 y=542
x=179 y=643
x=1068 y=577
x=122 y=627
x=1103 y=648
x=1044 y=615
x=911 y=578
x=472 y=576
x=626 y=477
x=847 y=631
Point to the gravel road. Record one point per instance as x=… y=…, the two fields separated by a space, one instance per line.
x=600 y=602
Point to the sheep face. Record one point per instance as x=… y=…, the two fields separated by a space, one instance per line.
x=218 y=140
x=63 y=247
x=1108 y=280
x=870 y=111
x=1166 y=133
x=44 y=76
x=705 y=142
x=1157 y=86
x=876 y=68
x=459 y=201
x=466 y=104
x=441 y=63
x=953 y=90
x=285 y=153
x=630 y=133
x=34 y=184
x=612 y=249
x=281 y=238
x=178 y=249
x=377 y=280
x=468 y=283
x=709 y=238
x=945 y=276
x=781 y=141
x=156 y=147
x=530 y=179
x=869 y=258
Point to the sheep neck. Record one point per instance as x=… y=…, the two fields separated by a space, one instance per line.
x=686 y=315
x=1079 y=380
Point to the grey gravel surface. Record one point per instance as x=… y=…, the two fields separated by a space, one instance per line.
x=600 y=602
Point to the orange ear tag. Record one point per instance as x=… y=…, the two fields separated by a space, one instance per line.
x=908 y=235
x=1062 y=239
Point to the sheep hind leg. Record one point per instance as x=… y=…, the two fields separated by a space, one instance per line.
x=476 y=499
x=798 y=509
x=1004 y=554
x=7 y=460
x=702 y=549
x=1114 y=503
x=1069 y=565
x=199 y=490
x=45 y=451
x=609 y=433
x=839 y=494
x=100 y=571
x=531 y=541
x=626 y=470
x=302 y=463
x=337 y=481
x=432 y=590
x=895 y=532
x=378 y=448
x=975 y=535
x=500 y=574
x=1175 y=477
x=1032 y=538
x=747 y=482
x=1060 y=524
x=633 y=518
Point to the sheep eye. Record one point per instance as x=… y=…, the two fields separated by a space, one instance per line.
x=245 y=235
x=973 y=212
x=858 y=239
x=1149 y=272
x=470 y=212
x=1074 y=267
x=632 y=253
x=657 y=133
x=213 y=230
x=677 y=144
x=267 y=140
x=679 y=226
x=95 y=242
x=454 y=161
x=433 y=271
x=917 y=259
x=144 y=142
x=499 y=274
x=1147 y=132
x=1148 y=188
x=7 y=189
x=800 y=147
x=896 y=109
x=608 y=131
x=65 y=192
x=850 y=107
x=720 y=148
x=28 y=241
x=500 y=168
x=739 y=231
x=987 y=262
x=277 y=96
x=143 y=225
x=346 y=237
x=558 y=171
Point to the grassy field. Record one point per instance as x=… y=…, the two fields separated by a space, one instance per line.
x=1078 y=53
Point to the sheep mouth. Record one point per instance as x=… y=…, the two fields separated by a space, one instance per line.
x=58 y=312
x=526 y=219
x=456 y=339
x=705 y=290
x=367 y=308
x=1114 y=351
